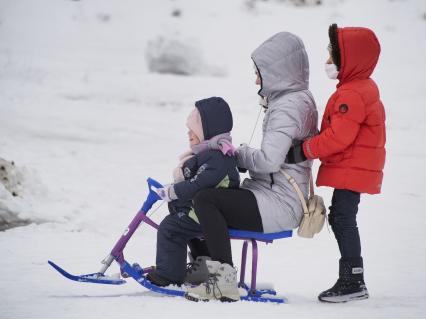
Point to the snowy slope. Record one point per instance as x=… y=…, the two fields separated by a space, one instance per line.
x=86 y=122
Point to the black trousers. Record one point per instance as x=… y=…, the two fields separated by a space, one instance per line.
x=342 y=218
x=198 y=247
x=220 y=209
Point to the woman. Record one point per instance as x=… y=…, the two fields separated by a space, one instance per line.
x=266 y=202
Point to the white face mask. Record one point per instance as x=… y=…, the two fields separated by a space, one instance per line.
x=331 y=70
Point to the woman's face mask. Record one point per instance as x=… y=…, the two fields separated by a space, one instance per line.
x=331 y=70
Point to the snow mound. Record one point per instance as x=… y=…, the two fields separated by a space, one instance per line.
x=13 y=212
x=301 y=3
x=15 y=208
x=177 y=56
x=251 y=4
x=10 y=177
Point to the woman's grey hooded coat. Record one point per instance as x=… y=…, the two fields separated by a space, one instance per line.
x=291 y=115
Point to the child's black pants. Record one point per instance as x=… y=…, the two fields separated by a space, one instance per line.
x=342 y=218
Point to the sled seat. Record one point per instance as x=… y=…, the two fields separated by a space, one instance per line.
x=267 y=238
x=253 y=237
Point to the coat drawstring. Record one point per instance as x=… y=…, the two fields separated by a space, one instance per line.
x=272 y=179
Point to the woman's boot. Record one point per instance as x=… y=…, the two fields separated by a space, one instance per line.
x=221 y=285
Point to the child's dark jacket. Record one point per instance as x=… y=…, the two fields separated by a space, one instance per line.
x=207 y=169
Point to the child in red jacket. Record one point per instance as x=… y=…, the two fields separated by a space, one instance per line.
x=351 y=147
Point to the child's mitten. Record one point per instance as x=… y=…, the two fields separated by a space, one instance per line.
x=167 y=193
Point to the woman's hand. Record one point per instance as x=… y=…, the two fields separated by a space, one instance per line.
x=242 y=146
x=241 y=169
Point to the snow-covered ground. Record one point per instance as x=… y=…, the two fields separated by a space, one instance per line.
x=86 y=122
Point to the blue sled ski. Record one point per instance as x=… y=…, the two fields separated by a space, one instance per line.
x=136 y=272
x=96 y=278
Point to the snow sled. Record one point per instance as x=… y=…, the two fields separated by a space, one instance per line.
x=138 y=273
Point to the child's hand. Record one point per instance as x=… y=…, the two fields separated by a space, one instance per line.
x=295 y=153
x=164 y=193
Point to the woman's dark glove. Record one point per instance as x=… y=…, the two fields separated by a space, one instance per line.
x=242 y=170
x=295 y=154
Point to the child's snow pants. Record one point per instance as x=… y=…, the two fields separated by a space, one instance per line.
x=173 y=236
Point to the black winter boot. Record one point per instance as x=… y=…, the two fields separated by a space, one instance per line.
x=159 y=281
x=350 y=285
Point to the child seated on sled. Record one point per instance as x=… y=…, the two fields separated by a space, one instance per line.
x=209 y=163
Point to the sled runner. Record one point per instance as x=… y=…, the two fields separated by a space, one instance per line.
x=253 y=293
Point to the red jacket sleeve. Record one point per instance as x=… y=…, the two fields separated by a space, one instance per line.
x=345 y=118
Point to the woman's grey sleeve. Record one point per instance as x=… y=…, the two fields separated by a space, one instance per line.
x=282 y=127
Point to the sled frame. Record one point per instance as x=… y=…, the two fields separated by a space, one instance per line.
x=138 y=273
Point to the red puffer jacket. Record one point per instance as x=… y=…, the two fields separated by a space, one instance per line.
x=351 y=144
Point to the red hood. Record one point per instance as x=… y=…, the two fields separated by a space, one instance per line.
x=359 y=52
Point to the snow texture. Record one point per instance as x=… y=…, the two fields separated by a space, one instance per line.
x=86 y=118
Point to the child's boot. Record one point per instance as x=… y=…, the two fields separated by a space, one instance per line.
x=350 y=285
x=159 y=281
x=197 y=271
x=220 y=285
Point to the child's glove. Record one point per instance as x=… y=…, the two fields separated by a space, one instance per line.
x=167 y=193
x=295 y=154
